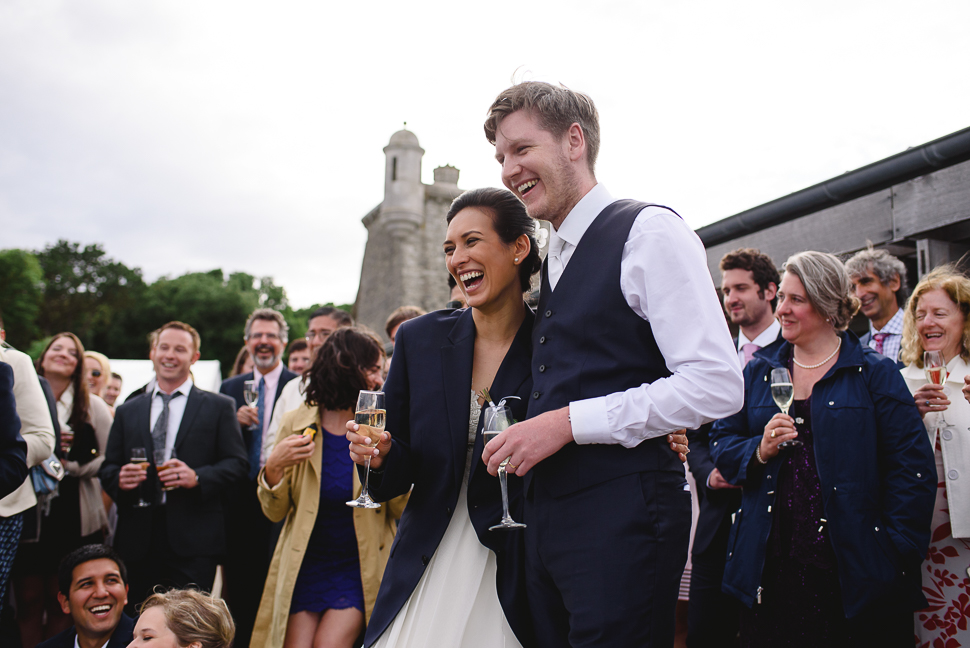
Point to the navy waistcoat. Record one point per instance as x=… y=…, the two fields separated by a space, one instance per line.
x=588 y=342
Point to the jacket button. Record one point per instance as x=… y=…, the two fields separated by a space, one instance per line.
x=877 y=528
x=536 y=395
x=425 y=561
x=953 y=474
x=831 y=402
x=542 y=340
x=548 y=313
x=542 y=368
x=448 y=511
x=947 y=434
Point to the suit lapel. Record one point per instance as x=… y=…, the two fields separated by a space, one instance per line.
x=143 y=421
x=191 y=409
x=515 y=369
x=456 y=367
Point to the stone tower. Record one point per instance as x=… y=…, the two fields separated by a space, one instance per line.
x=403 y=262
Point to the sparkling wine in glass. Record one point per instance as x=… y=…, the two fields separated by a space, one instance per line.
x=160 y=467
x=783 y=393
x=370 y=418
x=934 y=367
x=496 y=419
x=251 y=396
x=140 y=457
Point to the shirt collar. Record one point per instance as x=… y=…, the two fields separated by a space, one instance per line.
x=582 y=216
x=893 y=327
x=183 y=389
x=764 y=338
x=271 y=378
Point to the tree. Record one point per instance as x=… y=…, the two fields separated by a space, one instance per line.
x=21 y=295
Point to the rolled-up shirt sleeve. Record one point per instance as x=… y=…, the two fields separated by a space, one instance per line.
x=665 y=280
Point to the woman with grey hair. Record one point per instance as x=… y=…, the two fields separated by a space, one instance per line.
x=827 y=544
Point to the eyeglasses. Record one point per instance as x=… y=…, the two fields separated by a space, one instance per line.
x=323 y=334
x=272 y=337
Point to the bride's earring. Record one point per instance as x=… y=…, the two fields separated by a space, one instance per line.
x=516 y=259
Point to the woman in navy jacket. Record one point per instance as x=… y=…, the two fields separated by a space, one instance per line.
x=826 y=546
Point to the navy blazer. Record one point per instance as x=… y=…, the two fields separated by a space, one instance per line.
x=875 y=466
x=233 y=388
x=13 y=448
x=209 y=441
x=428 y=394
x=120 y=638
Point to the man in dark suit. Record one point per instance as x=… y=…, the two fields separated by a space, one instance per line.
x=93 y=590
x=879 y=281
x=248 y=548
x=618 y=362
x=749 y=285
x=178 y=538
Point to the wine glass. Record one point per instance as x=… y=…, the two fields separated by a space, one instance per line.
x=140 y=457
x=783 y=393
x=251 y=396
x=936 y=372
x=369 y=417
x=496 y=419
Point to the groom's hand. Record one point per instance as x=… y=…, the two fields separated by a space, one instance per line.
x=529 y=442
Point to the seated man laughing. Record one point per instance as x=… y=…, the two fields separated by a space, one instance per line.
x=93 y=586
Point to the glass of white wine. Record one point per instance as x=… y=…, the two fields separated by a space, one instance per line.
x=934 y=366
x=140 y=457
x=495 y=419
x=783 y=393
x=251 y=396
x=370 y=418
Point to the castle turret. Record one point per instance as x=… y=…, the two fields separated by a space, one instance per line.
x=403 y=208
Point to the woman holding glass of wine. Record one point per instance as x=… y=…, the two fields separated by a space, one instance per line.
x=328 y=562
x=936 y=350
x=830 y=534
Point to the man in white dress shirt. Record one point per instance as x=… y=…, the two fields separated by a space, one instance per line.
x=629 y=345
x=879 y=280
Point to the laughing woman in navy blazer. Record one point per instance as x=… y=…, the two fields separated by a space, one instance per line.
x=449 y=579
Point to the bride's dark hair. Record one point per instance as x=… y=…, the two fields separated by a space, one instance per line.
x=510 y=221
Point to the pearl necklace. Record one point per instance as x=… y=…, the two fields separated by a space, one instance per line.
x=816 y=366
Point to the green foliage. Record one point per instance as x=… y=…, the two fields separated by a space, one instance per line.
x=21 y=295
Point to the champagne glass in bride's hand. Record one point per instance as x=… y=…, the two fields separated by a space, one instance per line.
x=936 y=374
x=497 y=418
x=783 y=393
x=370 y=421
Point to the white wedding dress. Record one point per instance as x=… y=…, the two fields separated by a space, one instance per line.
x=455 y=603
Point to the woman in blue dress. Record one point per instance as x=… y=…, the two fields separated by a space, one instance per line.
x=328 y=563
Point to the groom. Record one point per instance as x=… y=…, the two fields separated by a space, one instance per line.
x=629 y=344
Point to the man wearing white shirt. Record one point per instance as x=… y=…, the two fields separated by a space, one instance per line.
x=176 y=539
x=248 y=531
x=629 y=345
x=749 y=284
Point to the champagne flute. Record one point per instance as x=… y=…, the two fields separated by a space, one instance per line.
x=160 y=467
x=498 y=418
x=370 y=418
x=783 y=393
x=934 y=367
x=251 y=396
x=140 y=457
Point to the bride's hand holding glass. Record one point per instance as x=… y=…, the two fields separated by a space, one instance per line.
x=360 y=447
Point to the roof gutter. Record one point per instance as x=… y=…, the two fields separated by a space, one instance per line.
x=911 y=163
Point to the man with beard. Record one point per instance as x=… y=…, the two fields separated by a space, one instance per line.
x=248 y=531
x=618 y=363
x=879 y=280
x=93 y=590
x=749 y=284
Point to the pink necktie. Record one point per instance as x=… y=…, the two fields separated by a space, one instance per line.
x=879 y=337
x=748 y=350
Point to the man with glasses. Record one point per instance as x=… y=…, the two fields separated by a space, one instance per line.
x=248 y=531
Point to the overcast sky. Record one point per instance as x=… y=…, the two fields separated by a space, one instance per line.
x=248 y=136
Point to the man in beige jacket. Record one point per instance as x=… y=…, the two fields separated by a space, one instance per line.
x=37 y=430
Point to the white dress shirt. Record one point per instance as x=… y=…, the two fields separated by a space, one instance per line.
x=763 y=339
x=665 y=280
x=176 y=408
x=292 y=396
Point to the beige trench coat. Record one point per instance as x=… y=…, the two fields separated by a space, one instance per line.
x=296 y=499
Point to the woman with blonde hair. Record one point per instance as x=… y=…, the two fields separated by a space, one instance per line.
x=936 y=319
x=97 y=371
x=830 y=534
x=183 y=619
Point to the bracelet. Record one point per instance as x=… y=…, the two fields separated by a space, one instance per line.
x=757 y=455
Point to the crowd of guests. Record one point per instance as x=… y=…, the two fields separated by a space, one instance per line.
x=832 y=507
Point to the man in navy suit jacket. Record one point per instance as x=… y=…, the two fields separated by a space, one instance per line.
x=248 y=531
x=93 y=590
